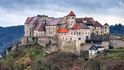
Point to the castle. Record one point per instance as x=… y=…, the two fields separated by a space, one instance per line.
x=68 y=29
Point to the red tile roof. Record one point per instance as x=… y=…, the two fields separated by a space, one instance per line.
x=62 y=30
x=71 y=14
x=76 y=26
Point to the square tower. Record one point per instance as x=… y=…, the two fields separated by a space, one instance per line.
x=71 y=19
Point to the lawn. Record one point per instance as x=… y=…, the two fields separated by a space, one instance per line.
x=115 y=54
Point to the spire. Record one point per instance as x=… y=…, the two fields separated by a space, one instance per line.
x=71 y=14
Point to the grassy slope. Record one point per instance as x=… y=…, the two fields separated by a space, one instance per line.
x=34 y=58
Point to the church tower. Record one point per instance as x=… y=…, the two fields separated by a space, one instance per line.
x=71 y=19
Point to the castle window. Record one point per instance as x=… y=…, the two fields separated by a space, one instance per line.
x=72 y=17
x=70 y=38
x=79 y=38
x=97 y=32
x=66 y=38
x=63 y=38
x=79 y=33
x=71 y=33
x=105 y=27
x=74 y=33
x=66 y=26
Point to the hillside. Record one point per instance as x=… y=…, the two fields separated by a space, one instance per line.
x=117 y=29
x=33 y=57
x=10 y=35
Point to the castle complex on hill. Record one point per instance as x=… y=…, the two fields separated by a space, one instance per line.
x=68 y=29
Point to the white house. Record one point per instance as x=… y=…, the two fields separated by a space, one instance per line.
x=95 y=50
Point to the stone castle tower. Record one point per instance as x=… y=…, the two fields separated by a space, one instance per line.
x=71 y=19
x=106 y=29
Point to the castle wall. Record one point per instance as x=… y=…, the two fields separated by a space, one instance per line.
x=39 y=33
x=71 y=21
x=79 y=35
x=98 y=30
x=68 y=46
x=117 y=43
x=51 y=31
x=105 y=44
x=86 y=46
x=27 y=30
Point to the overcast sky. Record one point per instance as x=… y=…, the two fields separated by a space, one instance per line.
x=15 y=12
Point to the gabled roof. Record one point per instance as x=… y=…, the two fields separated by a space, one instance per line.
x=71 y=14
x=62 y=30
x=83 y=26
x=79 y=20
x=31 y=20
x=53 y=21
x=76 y=26
x=87 y=18
x=97 y=24
x=40 y=27
x=93 y=47
x=28 y=20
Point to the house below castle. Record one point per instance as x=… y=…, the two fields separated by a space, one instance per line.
x=70 y=32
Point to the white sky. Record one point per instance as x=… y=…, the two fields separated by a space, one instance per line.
x=15 y=12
